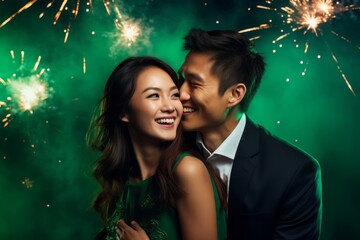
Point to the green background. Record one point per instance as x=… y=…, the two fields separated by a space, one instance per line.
x=316 y=112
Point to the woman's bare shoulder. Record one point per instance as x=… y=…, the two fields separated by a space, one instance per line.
x=190 y=167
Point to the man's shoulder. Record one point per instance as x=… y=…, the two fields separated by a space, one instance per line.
x=276 y=147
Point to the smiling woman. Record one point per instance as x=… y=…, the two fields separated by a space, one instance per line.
x=149 y=179
x=154 y=108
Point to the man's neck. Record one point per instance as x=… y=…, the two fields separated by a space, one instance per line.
x=215 y=136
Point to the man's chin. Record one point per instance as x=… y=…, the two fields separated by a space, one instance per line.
x=187 y=126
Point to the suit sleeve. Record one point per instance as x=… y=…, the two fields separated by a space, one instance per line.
x=301 y=213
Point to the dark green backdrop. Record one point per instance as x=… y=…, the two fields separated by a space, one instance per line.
x=315 y=111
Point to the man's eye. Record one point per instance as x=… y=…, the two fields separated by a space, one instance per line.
x=193 y=84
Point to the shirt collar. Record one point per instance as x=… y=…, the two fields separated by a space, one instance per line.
x=229 y=146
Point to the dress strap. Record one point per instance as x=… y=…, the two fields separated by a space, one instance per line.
x=179 y=158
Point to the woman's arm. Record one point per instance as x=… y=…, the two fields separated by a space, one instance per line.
x=197 y=211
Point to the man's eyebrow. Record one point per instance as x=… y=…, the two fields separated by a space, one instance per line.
x=194 y=76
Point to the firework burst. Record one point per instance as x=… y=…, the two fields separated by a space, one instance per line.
x=304 y=16
x=27 y=182
x=25 y=90
x=129 y=33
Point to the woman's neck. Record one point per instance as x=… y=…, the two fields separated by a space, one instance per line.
x=148 y=159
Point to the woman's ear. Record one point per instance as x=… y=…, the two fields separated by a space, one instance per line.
x=235 y=94
x=125 y=118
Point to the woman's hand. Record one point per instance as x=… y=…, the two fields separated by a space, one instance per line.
x=133 y=232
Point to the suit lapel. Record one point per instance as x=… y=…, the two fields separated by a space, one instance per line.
x=244 y=164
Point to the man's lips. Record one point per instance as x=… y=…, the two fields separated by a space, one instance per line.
x=188 y=109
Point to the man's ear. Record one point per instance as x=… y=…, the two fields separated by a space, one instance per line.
x=125 y=118
x=235 y=94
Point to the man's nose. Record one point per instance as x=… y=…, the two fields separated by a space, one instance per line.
x=184 y=92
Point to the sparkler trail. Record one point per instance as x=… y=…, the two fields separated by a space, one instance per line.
x=25 y=90
x=84 y=65
x=345 y=39
x=305 y=16
x=26 y=6
x=72 y=6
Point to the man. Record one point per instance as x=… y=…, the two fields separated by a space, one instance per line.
x=274 y=189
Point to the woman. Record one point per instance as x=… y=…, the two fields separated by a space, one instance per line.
x=147 y=179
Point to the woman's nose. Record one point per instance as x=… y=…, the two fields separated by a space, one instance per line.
x=167 y=106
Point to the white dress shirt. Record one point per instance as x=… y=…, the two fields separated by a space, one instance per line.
x=223 y=157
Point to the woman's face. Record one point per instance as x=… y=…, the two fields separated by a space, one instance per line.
x=155 y=109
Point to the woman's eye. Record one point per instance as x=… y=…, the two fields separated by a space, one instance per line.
x=154 y=95
x=176 y=95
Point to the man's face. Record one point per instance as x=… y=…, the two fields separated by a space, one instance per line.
x=204 y=107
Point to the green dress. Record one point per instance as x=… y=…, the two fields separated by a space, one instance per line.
x=137 y=202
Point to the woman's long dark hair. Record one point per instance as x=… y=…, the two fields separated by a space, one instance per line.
x=111 y=137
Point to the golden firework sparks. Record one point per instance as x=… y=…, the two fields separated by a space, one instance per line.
x=130 y=32
x=308 y=15
x=26 y=6
x=27 y=182
x=71 y=6
x=26 y=89
x=29 y=92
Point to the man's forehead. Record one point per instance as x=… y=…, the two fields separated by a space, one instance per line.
x=197 y=60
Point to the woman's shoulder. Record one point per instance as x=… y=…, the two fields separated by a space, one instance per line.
x=189 y=167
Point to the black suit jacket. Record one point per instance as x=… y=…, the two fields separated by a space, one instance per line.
x=275 y=189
